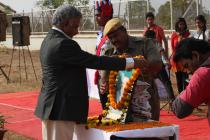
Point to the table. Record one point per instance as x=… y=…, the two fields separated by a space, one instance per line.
x=167 y=132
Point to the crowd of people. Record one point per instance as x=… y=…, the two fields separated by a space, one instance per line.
x=63 y=100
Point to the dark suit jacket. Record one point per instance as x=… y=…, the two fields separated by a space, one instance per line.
x=64 y=94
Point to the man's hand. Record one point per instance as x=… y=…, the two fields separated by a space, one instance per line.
x=141 y=63
x=103 y=87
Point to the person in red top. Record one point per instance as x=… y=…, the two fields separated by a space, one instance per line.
x=194 y=56
x=160 y=36
x=181 y=32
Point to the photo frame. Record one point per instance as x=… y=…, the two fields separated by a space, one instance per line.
x=116 y=114
x=136 y=99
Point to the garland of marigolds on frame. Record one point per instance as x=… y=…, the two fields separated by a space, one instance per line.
x=122 y=105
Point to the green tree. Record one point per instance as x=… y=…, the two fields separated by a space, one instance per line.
x=53 y=4
x=49 y=4
x=179 y=7
x=163 y=16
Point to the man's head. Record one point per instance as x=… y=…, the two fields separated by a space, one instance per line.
x=67 y=18
x=191 y=53
x=150 y=18
x=103 y=12
x=116 y=33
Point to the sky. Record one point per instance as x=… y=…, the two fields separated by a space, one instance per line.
x=27 y=5
x=20 y=5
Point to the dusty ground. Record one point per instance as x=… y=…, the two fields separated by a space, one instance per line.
x=18 y=82
x=21 y=76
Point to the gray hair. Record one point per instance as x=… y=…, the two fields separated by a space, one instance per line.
x=65 y=12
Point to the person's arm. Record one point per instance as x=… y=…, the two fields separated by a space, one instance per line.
x=166 y=46
x=107 y=50
x=181 y=108
x=145 y=29
x=173 y=42
x=196 y=93
x=72 y=54
x=209 y=36
x=165 y=41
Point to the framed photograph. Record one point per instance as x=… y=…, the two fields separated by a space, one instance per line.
x=122 y=78
x=138 y=103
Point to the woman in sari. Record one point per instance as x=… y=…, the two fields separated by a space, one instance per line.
x=181 y=32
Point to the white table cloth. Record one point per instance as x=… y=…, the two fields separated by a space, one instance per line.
x=96 y=134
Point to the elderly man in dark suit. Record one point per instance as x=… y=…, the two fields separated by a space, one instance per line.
x=63 y=100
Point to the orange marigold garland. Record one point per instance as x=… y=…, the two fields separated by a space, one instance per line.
x=122 y=104
x=127 y=88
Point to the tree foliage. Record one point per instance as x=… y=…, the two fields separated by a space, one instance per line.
x=163 y=16
x=53 y=4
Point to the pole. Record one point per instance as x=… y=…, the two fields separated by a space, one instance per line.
x=147 y=5
x=32 y=20
x=171 y=10
x=197 y=7
x=128 y=15
x=201 y=6
x=188 y=8
x=94 y=20
x=119 y=9
x=42 y=21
